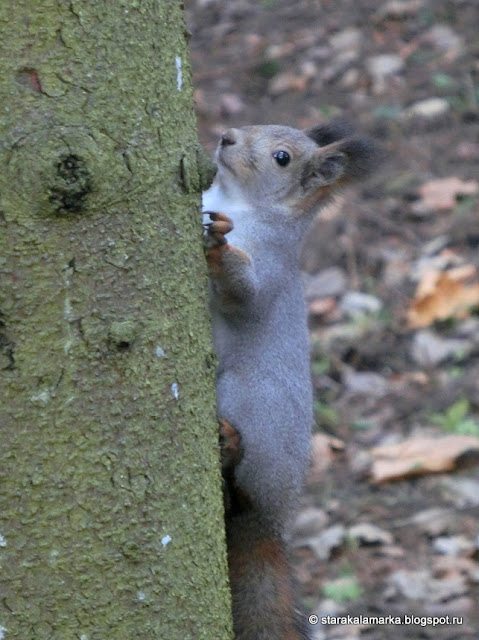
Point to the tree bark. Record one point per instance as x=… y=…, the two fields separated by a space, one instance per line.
x=111 y=517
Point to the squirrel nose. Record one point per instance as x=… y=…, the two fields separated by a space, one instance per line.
x=228 y=137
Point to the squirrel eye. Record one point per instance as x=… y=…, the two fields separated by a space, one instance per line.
x=282 y=158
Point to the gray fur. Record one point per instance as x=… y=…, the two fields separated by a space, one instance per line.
x=261 y=339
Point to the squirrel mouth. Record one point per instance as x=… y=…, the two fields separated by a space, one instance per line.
x=223 y=162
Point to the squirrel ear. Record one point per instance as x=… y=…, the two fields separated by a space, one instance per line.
x=329 y=132
x=363 y=156
x=328 y=167
x=340 y=163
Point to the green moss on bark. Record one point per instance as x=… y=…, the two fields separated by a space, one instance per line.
x=111 y=508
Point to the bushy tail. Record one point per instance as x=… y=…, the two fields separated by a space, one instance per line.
x=265 y=603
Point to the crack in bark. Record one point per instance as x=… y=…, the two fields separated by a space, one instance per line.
x=7 y=347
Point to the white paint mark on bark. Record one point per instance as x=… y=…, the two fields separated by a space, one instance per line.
x=179 y=73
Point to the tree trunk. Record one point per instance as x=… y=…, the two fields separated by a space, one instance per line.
x=111 y=518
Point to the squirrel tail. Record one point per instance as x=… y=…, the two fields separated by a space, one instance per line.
x=265 y=605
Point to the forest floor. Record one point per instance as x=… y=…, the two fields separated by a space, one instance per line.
x=390 y=524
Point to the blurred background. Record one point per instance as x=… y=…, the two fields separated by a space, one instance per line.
x=390 y=520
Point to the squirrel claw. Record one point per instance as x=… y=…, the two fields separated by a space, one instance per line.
x=216 y=230
x=216 y=215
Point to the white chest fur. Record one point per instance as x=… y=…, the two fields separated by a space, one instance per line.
x=235 y=207
x=215 y=200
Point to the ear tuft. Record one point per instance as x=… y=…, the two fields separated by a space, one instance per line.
x=329 y=132
x=363 y=156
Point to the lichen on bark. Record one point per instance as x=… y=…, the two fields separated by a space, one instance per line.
x=110 y=514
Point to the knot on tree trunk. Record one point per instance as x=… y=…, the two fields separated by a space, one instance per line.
x=71 y=185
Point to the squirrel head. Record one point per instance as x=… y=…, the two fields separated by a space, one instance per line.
x=293 y=169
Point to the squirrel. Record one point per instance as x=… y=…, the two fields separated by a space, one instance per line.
x=271 y=180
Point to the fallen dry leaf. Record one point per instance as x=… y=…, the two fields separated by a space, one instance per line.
x=441 y=295
x=322 y=306
x=441 y=194
x=397 y=9
x=419 y=456
x=322 y=454
x=292 y=81
x=287 y=81
x=452 y=565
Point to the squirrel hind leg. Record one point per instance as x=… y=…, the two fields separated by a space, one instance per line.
x=236 y=501
x=230 y=445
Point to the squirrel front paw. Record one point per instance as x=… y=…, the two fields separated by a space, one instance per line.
x=229 y=266
x=230 y=445
x=216 y=230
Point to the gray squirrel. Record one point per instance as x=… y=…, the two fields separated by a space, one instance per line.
x=270 y=183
